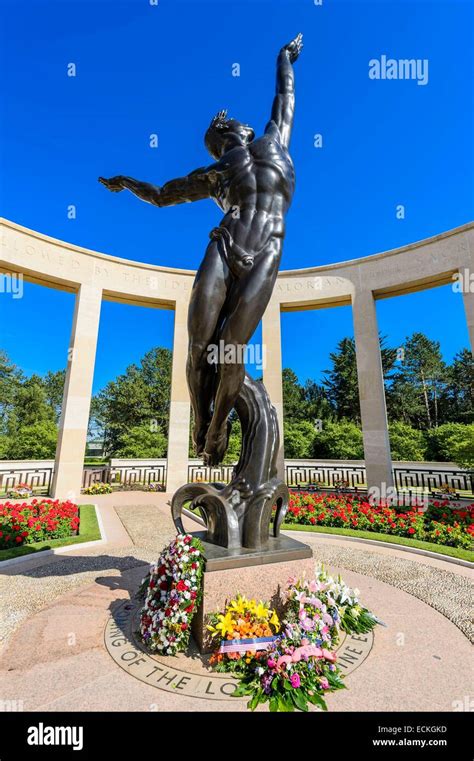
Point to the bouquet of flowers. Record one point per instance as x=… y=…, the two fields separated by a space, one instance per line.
x=20 y=491
x=246 y=629
x=324 y=605
x=296 y=666
x=172 y=592
x=292 y=673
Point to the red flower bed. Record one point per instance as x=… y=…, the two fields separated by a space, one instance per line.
x=34 y=522
x=440 y=523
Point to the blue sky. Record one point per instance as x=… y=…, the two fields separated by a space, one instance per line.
x=166 y=69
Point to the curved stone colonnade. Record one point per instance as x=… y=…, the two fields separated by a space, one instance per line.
x=94 y=277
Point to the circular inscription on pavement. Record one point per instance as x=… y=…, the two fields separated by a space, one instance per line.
x=189 y=673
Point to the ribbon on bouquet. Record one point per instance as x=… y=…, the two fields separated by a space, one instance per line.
x=243 y=645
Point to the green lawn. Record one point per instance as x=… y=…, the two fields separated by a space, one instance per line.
x=441 y=549
x=88 y=532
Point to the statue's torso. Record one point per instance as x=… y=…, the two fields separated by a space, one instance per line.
x=255 y=191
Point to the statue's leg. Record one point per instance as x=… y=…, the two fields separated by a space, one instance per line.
x=247 y=302
x=208 y=296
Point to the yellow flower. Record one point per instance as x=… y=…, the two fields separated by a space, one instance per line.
x=251 y=606
x=261 y=610
x=275 y=621
x=225 y=625
x=238 y=605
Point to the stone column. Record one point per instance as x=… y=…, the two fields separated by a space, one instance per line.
x=178 y=430
x=72 y=437
x=272 y=372
x=378 y=461
x=468 y=298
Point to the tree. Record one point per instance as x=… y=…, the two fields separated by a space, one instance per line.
x=30 y=405
x=293 y=399
x=138 y=397
x=341 y=381
x=339 y=441
x=35 y=441
x=458 y=398
x=443 y=441
x=462 y=453
x=156 y=368
x=10 y=380
x=404 y=402
x=299 y=439
x=53 y=383
x=316 y=403
x=424 y=371
x=406 y=443
x=4 y=446
x=32 y=430
x=142 y=441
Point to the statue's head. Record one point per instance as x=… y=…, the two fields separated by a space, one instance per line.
x=224 y=134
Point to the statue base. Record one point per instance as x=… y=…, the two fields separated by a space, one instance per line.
x=278 y=549
x=254 y=573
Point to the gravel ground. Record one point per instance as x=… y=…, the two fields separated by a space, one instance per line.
x=449 y=593
x=22 y=593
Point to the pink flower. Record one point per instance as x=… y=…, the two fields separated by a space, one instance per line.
x=284 y=659
x=295 y=680
x=305 y=652
x=271 y=663
x=324 y=683
x=306 y=623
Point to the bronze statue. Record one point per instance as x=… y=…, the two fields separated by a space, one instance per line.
x=252 y=180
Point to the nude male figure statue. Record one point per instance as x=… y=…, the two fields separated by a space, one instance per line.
x=252 y=180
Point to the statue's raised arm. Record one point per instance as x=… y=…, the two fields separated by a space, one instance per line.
x=283 y=107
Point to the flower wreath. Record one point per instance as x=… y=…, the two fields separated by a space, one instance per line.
x=172 y=594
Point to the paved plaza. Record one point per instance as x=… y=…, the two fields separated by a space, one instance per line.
x=56 y=610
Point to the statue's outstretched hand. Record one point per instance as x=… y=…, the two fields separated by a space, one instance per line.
x=115 y=184
x=294 y=47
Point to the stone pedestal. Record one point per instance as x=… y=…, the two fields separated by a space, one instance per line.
x=265 y=577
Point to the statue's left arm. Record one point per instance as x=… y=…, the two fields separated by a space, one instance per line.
x=193 y=187
x=283 y=107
